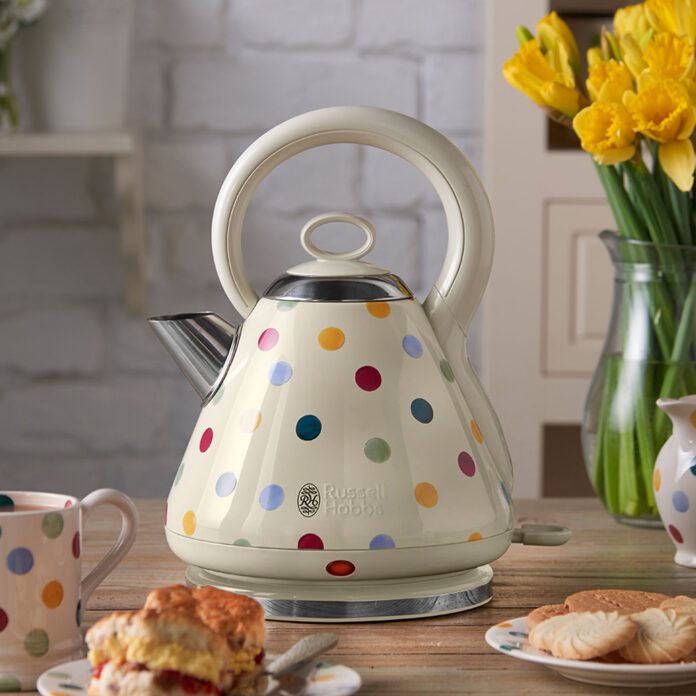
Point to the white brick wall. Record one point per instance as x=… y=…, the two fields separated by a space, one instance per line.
x=87 y=395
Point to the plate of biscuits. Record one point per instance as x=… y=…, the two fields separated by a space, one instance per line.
x=608 y=637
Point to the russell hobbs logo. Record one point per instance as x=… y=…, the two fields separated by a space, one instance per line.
x=308 y=500
x=346 y=500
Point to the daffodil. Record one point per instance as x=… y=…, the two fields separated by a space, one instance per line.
x=606 y=131
x=663 y=111
x=594 y=56
x=555 y=34
x=608 y=80
x=673 y=16
x=632 y=21
x=632 y=55
x=670 y=56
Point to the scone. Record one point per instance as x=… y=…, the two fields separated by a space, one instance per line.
x=185 y=641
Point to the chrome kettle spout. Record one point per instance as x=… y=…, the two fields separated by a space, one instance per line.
x=202 y=345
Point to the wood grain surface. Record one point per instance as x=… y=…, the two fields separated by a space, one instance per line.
x=442 y=655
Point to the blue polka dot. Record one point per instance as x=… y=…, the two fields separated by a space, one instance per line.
x=422 y=411
x=382 y=541
x=20 y=561
x=6 y=503
x=279 y=373
x=412 y=346
x=225 y=484
x=505 y=493
x=271 y=497
x=308 y=427
x=692 y=468
x=680 y=501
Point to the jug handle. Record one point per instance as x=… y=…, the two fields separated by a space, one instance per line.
x=459 y=287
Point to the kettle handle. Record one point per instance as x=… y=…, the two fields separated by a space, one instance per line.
x=461 y=282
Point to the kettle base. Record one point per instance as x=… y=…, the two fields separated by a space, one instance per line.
x=360 y=600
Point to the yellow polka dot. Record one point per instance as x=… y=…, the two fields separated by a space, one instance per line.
x=657 y=480
x=250 y=420
x=505 y=624
x=331 y=338
x=323 y=677
x=52 y=594
x=426 y=494
x=378 y=309
x=692 y=418
x=475 y=537
x=477 y=432
x=189 y=523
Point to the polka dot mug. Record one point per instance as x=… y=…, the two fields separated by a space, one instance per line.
x=41 y=591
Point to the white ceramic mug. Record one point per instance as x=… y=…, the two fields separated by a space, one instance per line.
x=41 y=591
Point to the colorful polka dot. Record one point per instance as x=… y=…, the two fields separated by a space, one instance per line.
x=331 y=338
x=308 y=427
x=310 y=541
x=377 y=450
x=680 y=501
x=657 y=480
x=52 y=524
x=241 y=542
x=412 y=346
x=36 y=642
x=692 y=468
x=466 y=464
x=421 y=410
x=476 y=431
x=474 y=537
x=692 y=418
x=506 y=495
x=179 y=473
x=279 y=373
x=382 y=541
x=8 y=682
x=5 y=503
x=206 y=439
x=368 y=378
x=3 y=620
x=189 y=522
x=20 y=561
x=226 y=484
x=271 y=497
x=218 y=396
x=340 y=568
x=379 y=309
x=426 y=494
x=250 y=420
x=166 y=513
x=76 y=545
x=505 y=624
x=676 y=534
x=268 y=339
x=285 y=305
x=446 y=370
x=52 y=594
x=68 y=503
x=78 y=613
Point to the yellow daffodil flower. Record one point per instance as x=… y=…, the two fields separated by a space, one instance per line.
x=670 y=56
x=554 y=33
x=606 y=131
x=608 y=80
x=631 y=21
x=673 y=16
x=663 y=111
x=632 y=55
x=531 y=72
x=594 y=56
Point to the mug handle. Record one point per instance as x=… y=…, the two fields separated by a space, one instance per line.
x=129 y=529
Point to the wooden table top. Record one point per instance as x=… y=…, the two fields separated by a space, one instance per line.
x=447 y=654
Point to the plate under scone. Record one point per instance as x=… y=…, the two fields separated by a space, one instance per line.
x=357 y=600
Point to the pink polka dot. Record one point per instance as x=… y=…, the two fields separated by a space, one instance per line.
x=166 y=510
x=76 y=545
x=368 y=378
x=268 y=339
x=676 y=534
x=310 y=541
x=3 y=620
x=206 y=439
x=466 y=464
x=68 y=503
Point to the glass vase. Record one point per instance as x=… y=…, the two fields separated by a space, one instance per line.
x=649 y=353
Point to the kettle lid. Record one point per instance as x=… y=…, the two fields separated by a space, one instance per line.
x=338 y=276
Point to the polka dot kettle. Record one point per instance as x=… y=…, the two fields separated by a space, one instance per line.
x=344 y=439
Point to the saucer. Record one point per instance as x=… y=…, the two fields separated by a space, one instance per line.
x=510 y=638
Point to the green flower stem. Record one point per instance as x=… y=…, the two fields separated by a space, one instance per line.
x=606 y=456
x=627 y=220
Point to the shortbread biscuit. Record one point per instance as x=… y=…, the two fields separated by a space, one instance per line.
x=536 y=616
x=680 y=604
x=591 y=634
x=623 y=601
x=663 y=636
x=542 y=634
